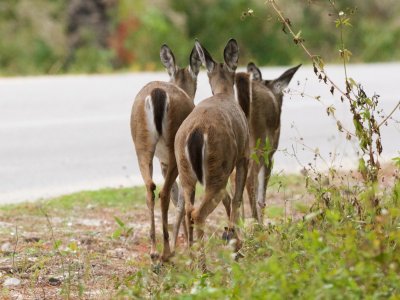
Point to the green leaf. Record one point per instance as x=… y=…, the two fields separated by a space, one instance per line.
x=339 y=126
x=57 y=244
x=347 y=54
x=365 y=115
x=312 y=215
x=129 y=231
x=346 y=22
x=298 y=36
x=330 y=110
x=117 y=233
x=73 y=246
x=321 y=63
x=358 y=126
x=396 y=192
x=257 y=144
x=362 y=167
x=254 y=157
x=274 y=211
x=119 y=221
x=396 y=161
x=267 y=146
x=352 y=81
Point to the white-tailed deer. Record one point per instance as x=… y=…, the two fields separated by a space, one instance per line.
x=211 y=142
x=261 y=100
x=158 y=111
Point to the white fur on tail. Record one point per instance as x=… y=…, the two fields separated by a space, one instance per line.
x=151 y=127
x=161 y=151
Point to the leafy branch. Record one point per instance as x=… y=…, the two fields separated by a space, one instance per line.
x=362 y=107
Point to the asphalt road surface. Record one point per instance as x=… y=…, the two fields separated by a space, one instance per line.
x=69 y=133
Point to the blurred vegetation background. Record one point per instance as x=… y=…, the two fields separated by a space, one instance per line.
x=76 y=36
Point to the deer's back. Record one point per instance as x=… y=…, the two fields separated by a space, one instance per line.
x=223 y=125
x=265 y=112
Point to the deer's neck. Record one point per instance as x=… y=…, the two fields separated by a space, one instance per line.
x=228 y=90
x=190 y=92
x=243 y=91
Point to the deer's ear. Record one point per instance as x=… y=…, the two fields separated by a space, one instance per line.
x=194 y=62
x=168 y=59
x=231 y=54
x=267 y=83
x=255 y=71
x=279 y=84
x=205 y=57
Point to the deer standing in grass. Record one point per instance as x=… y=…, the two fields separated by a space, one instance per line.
x=211 y=142
x=262 y=104
x=158 y=111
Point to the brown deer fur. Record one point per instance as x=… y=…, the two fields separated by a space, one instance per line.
x=158 y=111
x=264 y=114
x=211 y=142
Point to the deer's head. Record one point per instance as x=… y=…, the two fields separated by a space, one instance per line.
x=220 y=75
x=185 y=78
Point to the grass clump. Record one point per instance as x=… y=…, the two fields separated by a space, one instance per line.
x=324 y=255
x=95 y=245
x=110 y=197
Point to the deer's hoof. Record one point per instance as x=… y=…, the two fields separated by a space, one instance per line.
x=154 y=256
x=261 y=204
x=166 y=256
x=156 y=268
x=228 y=234
x=238 y=256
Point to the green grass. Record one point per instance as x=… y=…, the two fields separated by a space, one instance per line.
x=313 y=253
x=329 y=253
x=110 y=197
x=320 y=257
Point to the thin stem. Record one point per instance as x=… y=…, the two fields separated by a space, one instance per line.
x=15 y=247
x=303 y=94
x=278 y=11
x=389 y=115
x=50 y=226
x=311 y=56
x=343 y=55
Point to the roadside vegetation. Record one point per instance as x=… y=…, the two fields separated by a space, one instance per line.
x=330 y=234
x=94 y=245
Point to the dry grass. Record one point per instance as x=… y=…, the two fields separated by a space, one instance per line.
x=74 y=247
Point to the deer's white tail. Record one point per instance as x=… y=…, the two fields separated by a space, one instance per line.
x=156 y=108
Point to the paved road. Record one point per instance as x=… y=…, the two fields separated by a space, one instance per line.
x=68 y=133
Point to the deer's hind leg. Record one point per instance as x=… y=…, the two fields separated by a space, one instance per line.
x=146 y=169
x=226 y=201
x=199 y=215
x=251 y=187
x=264 y=175
x=188 y=192
x=179 y=201
x=240 y=182
x=171 y=172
